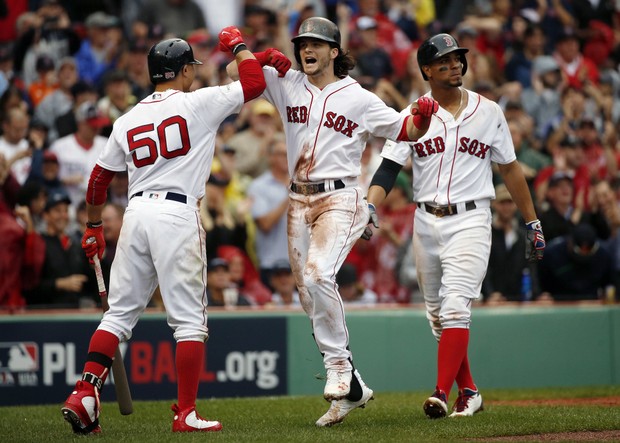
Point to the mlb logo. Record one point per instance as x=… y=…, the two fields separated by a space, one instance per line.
x=154 y=195
x=19 y=357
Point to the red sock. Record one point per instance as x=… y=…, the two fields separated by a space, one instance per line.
x=189 y=360
x=464 y=378
x=452 y=350
x=101 y=351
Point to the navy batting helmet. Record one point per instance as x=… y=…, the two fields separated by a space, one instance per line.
x=319 y=28
x=436 y=47
x=167 y=57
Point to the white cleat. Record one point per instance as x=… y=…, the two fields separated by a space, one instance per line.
x=338 y=384
x=467 y=403
x=339 y=409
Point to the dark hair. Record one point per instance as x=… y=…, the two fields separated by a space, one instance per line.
x=343 y=63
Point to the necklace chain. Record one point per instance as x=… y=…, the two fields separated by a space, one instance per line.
x=460 y=104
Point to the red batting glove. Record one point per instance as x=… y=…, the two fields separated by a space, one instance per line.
x=423 y=113
x=278 y=61
x=230 y=37
x=98 y=246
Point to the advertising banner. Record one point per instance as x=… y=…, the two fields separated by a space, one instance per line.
x=41 y=360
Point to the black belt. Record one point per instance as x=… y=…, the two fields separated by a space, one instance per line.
x=313 y=188
x=169 y=196
x=442 y=211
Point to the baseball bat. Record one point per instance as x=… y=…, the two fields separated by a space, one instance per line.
x=121 y=384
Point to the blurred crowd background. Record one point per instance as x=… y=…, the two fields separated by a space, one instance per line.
x=69 y=69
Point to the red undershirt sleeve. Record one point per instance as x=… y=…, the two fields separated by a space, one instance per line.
x=252 y=79
x=97 y=191
x=403 y=136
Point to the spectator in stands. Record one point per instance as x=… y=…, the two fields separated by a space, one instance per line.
x=372 y=60
x=176 y=17
x=251 y=144
x=507 y=260
x=389 y=36
x=77 y=153
x=221 y=291
x=51 y=33
x=14 y=144
x=45 y=171
x=117 y=99
x=542 y=99
x=578 y=69
x=33 y=196
x=100 y=50
x=137 y=69
x=575 y=267
x=568 y=157
x=217 y=219
x=60 y=101
x=561 y=217
x=6 y=66
x=520 y=66
x=269 y=196
x=67 y=281
x=531 y=160
x=282 y=283
x=244 y=275
x=46 y=81
x=21 y=247
x=81 y=92
x=601 y=160
x=353 y=291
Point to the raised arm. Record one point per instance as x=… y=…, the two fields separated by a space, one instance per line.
x=250 y=73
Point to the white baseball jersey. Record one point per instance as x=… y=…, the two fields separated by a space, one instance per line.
x=326 y=130
x=170 y=147
x=166 y=142
x=326 y=133
x=452 y=162
x=21 y=168
x=74 y=160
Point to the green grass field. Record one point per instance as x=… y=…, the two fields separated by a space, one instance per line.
x=391 y=417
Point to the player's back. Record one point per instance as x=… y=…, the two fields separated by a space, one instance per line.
x=168 y=145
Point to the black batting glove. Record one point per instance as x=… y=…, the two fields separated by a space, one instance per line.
x=374 y=219
x=534 y=241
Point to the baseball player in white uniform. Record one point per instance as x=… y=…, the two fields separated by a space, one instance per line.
x=328 y=118
x=453 y=187
x=167 y=143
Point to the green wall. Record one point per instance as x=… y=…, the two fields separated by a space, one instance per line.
x=509 y=347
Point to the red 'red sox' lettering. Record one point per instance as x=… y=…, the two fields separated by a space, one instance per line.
x=473 y=147
x=338 y=122
x=296 y=114
x=429 y=147
x=437 y=146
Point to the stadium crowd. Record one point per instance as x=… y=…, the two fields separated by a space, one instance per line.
x=69 y=69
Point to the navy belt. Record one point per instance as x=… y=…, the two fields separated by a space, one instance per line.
x=442 y=211
x=169 y=196
x=313 y=188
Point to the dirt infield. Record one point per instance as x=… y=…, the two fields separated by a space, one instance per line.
x=563 y=436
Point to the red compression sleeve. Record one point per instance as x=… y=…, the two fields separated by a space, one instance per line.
x=252 y=79
x=98 y=183
x=262 y=58
x=403 y=136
